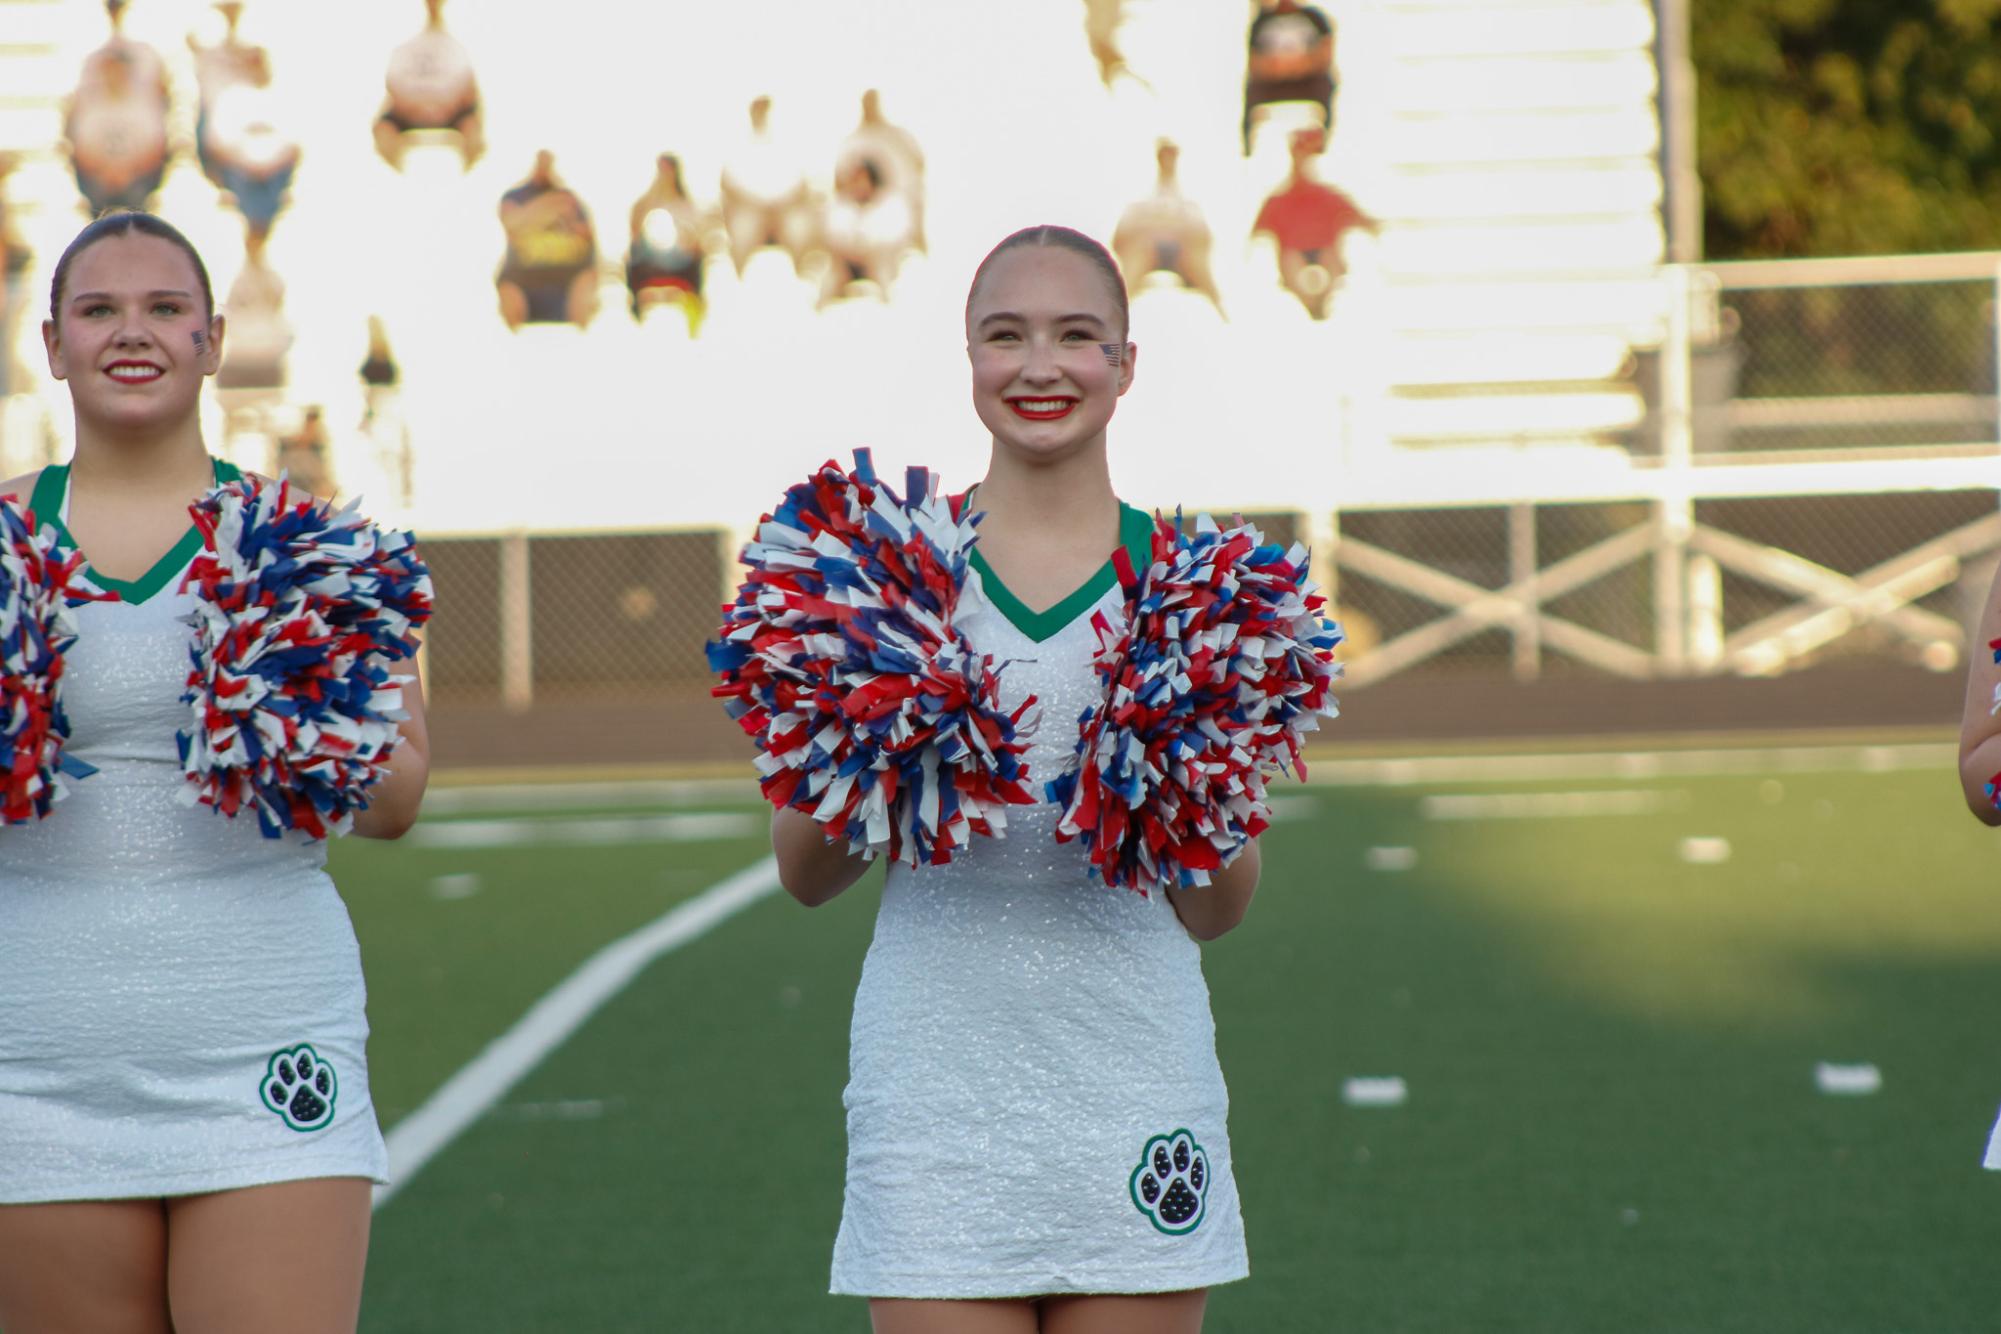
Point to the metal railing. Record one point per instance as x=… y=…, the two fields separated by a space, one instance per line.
x=1817 y=475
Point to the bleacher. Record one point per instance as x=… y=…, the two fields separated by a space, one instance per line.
x=1518 y=145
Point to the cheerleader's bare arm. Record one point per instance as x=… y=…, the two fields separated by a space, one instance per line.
x=1211 y=910
x=1979 y=726
x=393 y=803
x=811 y=869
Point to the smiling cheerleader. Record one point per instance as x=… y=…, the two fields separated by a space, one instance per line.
x=186 y=1136
x=1037 y=1133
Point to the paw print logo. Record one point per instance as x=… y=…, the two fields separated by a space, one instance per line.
x=300 y=1087
x=1171 y=1184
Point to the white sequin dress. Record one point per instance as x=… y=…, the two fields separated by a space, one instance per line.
x=1034 y=1104
x=181 y=999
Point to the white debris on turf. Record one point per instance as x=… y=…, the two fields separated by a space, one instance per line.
x=1375 y=1091
x=1847 y=1080
x=1705 y=851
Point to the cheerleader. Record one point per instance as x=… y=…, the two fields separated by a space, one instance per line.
x=1980 y=751
x=1036 y=1119
x=186 y=1137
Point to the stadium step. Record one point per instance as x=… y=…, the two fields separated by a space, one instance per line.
x=1522 y=195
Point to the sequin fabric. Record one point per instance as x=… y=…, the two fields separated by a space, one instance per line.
x=155 y=956
x=1019 y=1035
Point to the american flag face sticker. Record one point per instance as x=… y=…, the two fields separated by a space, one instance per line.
x=1115 y=353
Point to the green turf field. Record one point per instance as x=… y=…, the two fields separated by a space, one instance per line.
x=1609 y=1037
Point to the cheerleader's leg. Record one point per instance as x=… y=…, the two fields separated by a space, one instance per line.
x=1144 y=1313
x=99 y=1265
x=287 y=1256
x=921 y=1316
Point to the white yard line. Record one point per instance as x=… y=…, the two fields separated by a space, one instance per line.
x=1491 y=766
x=1631 y=764
x=511 y=797
x=1547 y=805
x=691 y=827
x=467 y=1095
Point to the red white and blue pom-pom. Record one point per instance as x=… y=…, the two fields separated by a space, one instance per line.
x=39 y=582
x=1223 y=665
x=301 y=609
x=870 y=710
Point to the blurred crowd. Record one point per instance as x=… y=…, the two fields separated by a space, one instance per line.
x=846 y=233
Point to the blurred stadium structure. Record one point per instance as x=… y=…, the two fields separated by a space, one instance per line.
x=1536 y=458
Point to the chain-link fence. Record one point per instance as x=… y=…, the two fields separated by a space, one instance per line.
x=551 y=617
x=526 y=619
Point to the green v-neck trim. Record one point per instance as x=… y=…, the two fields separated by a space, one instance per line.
x=47 y=503
x=1135 y=535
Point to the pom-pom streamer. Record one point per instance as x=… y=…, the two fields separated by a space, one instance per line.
x=870 y=710
x=1224 y=663
x=39 y=583
x=302 y=608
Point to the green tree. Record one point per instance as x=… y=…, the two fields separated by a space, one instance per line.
x=1847 y=127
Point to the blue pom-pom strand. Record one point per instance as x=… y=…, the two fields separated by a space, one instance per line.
x=301 y=611
x=40 y=581
x=1223 y=664
x=840 y=658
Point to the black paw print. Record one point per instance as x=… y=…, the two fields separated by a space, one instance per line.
x=1171 y=1184
x=300 y=1087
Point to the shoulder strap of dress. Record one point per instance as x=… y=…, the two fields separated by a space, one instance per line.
x=46 y=500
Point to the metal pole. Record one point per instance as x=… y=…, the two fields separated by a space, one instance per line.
x=1521 y=574
x=1677 y=116
x=1323 y=540
x=1674 y=502
x=517 y=625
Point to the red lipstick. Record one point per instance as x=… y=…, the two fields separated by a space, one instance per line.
x=150 y=371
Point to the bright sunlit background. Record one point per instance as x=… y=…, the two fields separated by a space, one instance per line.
x=637 y=424
x=1691 y=1039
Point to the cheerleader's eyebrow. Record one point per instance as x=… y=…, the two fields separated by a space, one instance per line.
x=78 y=298
x=1075 y=317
